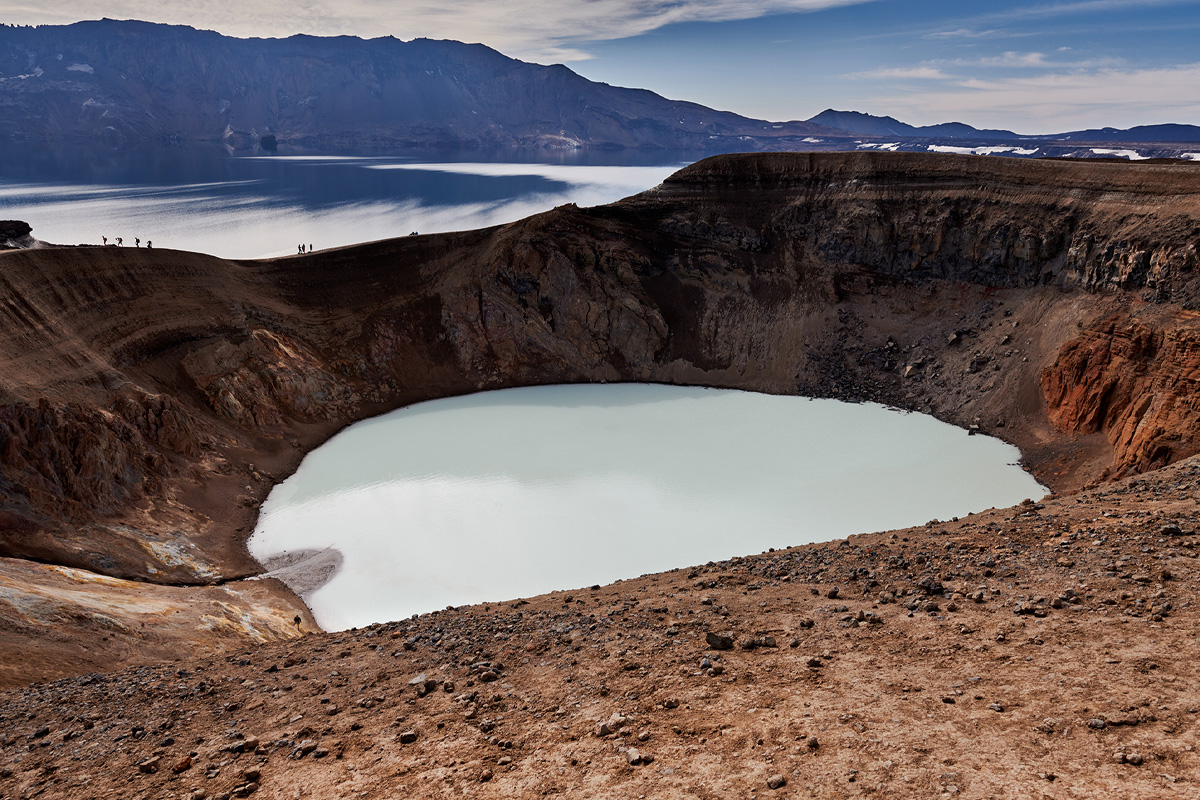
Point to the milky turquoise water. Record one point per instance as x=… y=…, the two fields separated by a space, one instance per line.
x=505 y=494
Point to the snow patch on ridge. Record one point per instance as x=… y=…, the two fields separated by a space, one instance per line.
x=981 y=151
x=1132 y=155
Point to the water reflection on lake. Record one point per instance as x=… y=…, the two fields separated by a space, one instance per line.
x=512 y=493
x=252 y=206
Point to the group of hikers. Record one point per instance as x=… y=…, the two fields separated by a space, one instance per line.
x=119 y=242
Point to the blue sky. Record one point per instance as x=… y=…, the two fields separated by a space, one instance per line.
x=1035 y=67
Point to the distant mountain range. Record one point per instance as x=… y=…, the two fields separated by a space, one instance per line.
x=889 y=126
x=134 y=81
x=129 y=83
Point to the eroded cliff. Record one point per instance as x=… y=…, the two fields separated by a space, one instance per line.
x=149 y=399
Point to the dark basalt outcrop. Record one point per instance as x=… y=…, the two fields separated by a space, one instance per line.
x=14 y=229
x=150 y=398
x=14 y=234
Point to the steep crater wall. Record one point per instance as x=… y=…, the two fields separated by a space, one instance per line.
x=150 y=399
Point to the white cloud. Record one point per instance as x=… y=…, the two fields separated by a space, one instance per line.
x=901 y=73
x=990 y=25
x=1057 y=101
x=1011 y=59
x=1015 y=60
x=929 y=70
x=1084 y=7
x=542 y=30
x=963 y=33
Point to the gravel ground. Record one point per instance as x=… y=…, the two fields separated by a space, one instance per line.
x=1045 y=650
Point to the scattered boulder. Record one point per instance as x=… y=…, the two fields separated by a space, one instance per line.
x=753 y=642
x=718 y=641
x=931 y=586
x=613 y=724
x=635 y=757
x=302 y=749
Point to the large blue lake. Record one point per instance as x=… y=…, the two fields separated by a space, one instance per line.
x=263 y=204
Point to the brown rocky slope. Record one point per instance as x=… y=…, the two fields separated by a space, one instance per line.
x=1046 y=650
x=149 y=399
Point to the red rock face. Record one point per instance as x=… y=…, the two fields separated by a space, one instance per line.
x=1135 y=382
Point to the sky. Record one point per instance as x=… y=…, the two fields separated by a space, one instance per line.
x=1032 y=67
